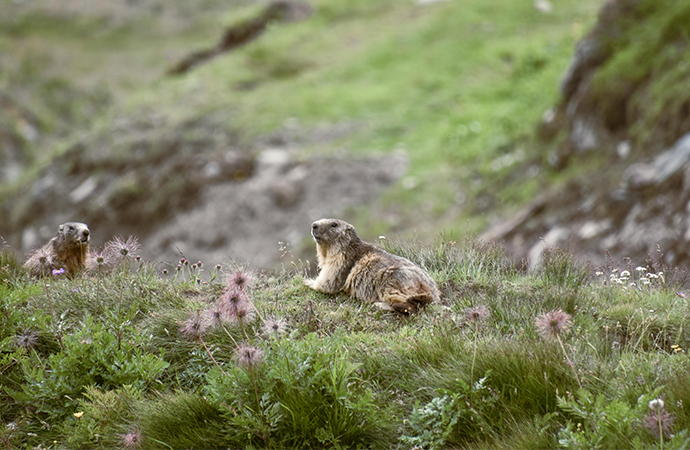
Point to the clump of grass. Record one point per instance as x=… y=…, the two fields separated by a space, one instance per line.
x=309 y=396
x=551 y=325
x=475 y=316
x=104 y=418
x=456 y=262
x=179 y=419
x=679 y=396
x=10 y=266
x=560 y=267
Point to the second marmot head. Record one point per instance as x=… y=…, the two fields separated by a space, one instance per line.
x=73 y=234
x=67 y=250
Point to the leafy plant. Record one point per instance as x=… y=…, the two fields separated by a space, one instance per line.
x=92 y=357
x=454 y=417
x=605 y=423
x=103 y=418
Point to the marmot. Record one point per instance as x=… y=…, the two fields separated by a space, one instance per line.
x=68 y=250
x=349 y=264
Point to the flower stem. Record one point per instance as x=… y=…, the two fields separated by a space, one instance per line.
x=230 y=335
x=52 y=315
x=211 y=355
x=572 y=366
x=122 y=285
x=474 y=354
x=256 y=387
x=244 y=332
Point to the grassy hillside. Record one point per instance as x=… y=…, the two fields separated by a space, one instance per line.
x=459 y=85
x=215 y=357
x=206 y=356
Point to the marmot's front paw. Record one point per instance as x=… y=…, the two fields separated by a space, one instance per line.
x=310 y=283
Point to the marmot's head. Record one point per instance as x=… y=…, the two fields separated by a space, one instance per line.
x=74 y=232
x=333 y=234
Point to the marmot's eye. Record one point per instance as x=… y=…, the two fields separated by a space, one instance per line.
x=334 y=224
x=70 y=228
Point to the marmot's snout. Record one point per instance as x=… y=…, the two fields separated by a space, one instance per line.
x=321 y=229
x=316 y=230
x=79 y=232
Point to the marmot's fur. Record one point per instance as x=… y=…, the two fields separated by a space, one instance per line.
x=67 y=250
x=349 y=264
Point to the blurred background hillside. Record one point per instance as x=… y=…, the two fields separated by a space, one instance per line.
x=219 y=130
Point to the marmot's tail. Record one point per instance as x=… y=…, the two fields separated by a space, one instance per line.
x=413 y=303
x=420 y=300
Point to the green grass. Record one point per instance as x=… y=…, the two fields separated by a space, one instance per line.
x=458 y=85
x=114 y=360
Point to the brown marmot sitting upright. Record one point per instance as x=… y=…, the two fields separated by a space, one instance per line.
x=349 y=264
x=68 y=250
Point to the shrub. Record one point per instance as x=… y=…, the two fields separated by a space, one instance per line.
x=307 y=395
x=92 y=357
x=455 y=417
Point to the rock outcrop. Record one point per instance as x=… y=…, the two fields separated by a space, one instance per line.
x=623 y=104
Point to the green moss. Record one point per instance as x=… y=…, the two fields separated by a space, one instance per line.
x=643 y=84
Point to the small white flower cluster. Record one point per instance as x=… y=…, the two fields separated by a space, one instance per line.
x=656 y=405
x=639 y=278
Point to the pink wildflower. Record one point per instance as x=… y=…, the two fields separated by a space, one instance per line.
x=553 y=323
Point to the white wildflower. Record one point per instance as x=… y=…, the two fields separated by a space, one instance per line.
x=656 y=405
